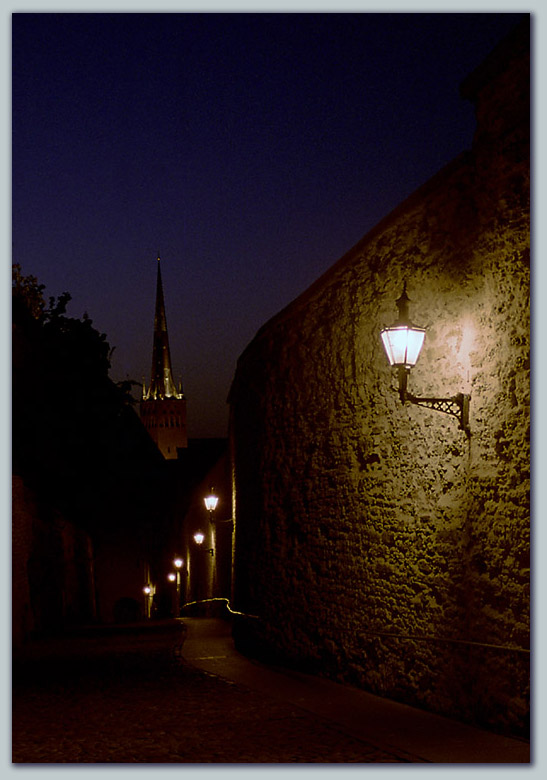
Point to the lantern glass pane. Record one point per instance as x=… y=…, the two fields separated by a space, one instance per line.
x=395 y=340
x=414 y=345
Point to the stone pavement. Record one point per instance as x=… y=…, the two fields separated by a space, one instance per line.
x=142 y=694
x=409 y=733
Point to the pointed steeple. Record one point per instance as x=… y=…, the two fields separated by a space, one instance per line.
x=163 y=406
x=161 y=380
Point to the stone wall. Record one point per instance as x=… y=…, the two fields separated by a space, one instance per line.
x=377 y=542
x=52 y=568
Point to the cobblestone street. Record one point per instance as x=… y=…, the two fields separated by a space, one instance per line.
x=130 y=697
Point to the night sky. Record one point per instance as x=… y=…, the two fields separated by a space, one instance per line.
x=252 y=150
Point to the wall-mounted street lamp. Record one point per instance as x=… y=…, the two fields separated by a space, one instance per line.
x=199 y=538
x=211 y=502
x=403 y=342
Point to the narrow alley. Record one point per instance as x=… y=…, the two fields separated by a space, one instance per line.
x=178 y=692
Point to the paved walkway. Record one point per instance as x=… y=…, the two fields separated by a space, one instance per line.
x=407 y=732
x=180 y=693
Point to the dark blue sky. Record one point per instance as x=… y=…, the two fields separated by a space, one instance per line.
x=251 y=150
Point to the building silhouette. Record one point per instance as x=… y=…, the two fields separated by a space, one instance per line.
x=163 y=405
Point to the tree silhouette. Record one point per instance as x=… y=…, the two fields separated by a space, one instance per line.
x=76 y=439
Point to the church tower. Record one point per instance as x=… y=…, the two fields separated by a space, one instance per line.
x=163 y=406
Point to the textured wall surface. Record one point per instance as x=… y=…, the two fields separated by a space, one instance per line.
x=21 y=546
x=377 y=542
x=52 y=572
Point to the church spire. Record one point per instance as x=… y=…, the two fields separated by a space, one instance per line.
x=161 y=380
x=163 y=406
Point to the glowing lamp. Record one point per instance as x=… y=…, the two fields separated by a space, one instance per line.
x=178 y=562
x=403 y=342
x=199 y=537
x=171 y=577
x=211 y=501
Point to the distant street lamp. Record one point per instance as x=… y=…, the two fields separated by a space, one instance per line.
x=178 y=562
x=199 y=539
x=211 y=502
x=148 y=591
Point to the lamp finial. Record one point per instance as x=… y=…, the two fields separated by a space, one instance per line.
x=402 y=304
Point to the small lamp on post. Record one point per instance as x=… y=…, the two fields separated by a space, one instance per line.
x=403 y=342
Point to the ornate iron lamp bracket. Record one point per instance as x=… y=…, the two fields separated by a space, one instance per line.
x=457 y=406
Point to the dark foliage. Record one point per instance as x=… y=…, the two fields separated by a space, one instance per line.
x=76 y=438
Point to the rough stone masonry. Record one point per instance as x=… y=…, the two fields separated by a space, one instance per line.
x=376 y=542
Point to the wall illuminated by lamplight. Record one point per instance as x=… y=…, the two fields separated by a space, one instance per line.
x=377 y=542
